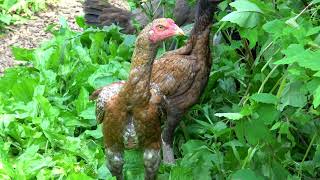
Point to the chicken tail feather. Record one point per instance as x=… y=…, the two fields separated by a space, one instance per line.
x=103 y=13
x=95 y=94
x=204 y=15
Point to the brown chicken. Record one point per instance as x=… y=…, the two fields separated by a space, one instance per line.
x=103 y=12
x=130 y=116
x=179 y=77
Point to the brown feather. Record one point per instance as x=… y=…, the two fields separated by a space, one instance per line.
x=104 y=13
x=179 y=77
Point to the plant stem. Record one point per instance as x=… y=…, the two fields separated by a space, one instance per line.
x=268 y=62
x=245 y=97
x=260 y=54
x=267 y=78
x=306 y=154
x=275 y=86
x=282 y=85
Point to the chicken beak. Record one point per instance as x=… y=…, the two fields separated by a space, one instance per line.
x=179 y=31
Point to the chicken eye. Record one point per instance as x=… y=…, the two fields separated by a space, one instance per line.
x=161 y=27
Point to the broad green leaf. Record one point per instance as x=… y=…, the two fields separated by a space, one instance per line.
x=245 y=5
x=243 y=19
x=36 y=165
x=42 y=57
x=105 y=75
x=305 y=58
x=181 y=173
x=231 y=116
x=5 y=18
x=316 y=157
x=285 y=129
x=267 y=113
x=256 y=132
x=97 y=43
x=104 y=173
x=234 y=144
x=113 y=47
x=316 y=97
x=83 y=53
x=219 y=127
x=7 y=4
x=291 y=51
x=80 y=20
x=97 y=134
x=39 y=90
x=77 y=176
x=239 y=130
x=310 y=59
x=265 y=98
x=29 y=153
x=251 y=35
x=279 y=171
x=88 y=113
x=124 y=51
x=245 y=174
x=11 y=75
x=294 y=95
x=192 y=146
x=275 y=27
x=22 y=54
x=248 y=14
x=315 y=1
x=46 y=108
x=314 y=30
x=22 y=90
x=199 y=159
x=82 y=100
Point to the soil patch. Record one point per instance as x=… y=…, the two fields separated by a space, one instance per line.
x=32 y=33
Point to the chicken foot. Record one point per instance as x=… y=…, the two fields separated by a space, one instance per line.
x=115 y=163
x=152 y=161
x=167 y=138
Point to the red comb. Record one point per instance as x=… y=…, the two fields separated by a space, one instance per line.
x=170 y=21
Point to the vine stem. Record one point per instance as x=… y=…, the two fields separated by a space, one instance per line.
x=245 y=97
x=276 y=85
x=306 y=154
x=267 y=78
x=268 y=62
x=251 y=152
x=282 y=85
x=303 y=10
x=255 y=63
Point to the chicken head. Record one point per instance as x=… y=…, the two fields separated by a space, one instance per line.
x=162 y=29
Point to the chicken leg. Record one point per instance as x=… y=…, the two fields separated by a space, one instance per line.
x=152 y=161
x=167 y=135
x=115 y=162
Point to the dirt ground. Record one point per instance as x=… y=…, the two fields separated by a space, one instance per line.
x=32 y=33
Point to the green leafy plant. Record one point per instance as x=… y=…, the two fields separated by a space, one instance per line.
x=259 y=114
x=14 y=11
x=48 y=126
